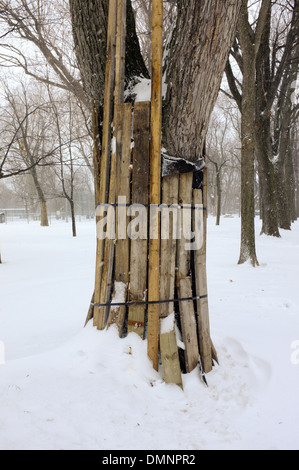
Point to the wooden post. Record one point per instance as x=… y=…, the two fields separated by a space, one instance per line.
x=121 y=148
x=122 y=247
x=168 y=342
x=184 y=277
x=99 y=319
x=207 y=351
x=170 y=197
x=155 y=181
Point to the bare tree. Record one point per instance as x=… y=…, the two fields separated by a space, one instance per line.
x=28 y=147
x=46 y=27
x=263 y=56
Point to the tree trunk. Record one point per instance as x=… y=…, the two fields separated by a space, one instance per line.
x=197 y=57
x=219 y=196
x=42 y=199
x=248 y=250
x=263 y=140
x=73 y=215
x=266 y=176
x=44 y=213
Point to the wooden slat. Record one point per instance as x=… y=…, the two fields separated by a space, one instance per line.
x=122 y=247
x=169 y=352
x=184 y=277
x=188 y=322
x=109 y=252
x=140 y=195
x=168 y=342
x=205 y=344
x=99 y=319
x=155 y=180
x=170 y=194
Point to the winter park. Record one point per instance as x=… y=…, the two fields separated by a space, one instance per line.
x=149 y=234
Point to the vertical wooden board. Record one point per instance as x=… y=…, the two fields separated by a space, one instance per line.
x=155 y=181
x=205 y=344
x=185 y=200
x=119 y=67
x=106 y=281
x=106 y=151
x=120 y=52
x=140 y=195
x=169 y=352
x=170 y=193
x=185 y=276
x=122 y=246
x=188 y=322
x=168 y=342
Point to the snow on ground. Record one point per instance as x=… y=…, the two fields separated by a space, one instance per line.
x=65 y=387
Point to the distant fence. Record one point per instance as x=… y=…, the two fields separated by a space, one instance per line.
x=9 y=216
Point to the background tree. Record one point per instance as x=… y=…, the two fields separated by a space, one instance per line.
x=276 y=47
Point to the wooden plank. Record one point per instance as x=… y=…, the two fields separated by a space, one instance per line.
x=155 y=181
x=109 y=252
x=184 y=275
x=99 y=320
x=168 y=341
x=205 y=343
x=170 y=195
x=140 y=195
x=169 y=352
x=188 y=322
x=123 y=190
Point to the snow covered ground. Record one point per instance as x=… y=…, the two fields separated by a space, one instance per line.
x=65 y=387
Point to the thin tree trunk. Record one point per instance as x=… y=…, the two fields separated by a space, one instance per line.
x=219 y=197
x=73 y=215
x=266 y=177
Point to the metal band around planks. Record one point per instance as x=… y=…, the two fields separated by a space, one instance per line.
x=153 y=302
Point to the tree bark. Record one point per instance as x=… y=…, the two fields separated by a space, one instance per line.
x=42 y=200
x=197 y=56
x=263 y=140
x=219 y=196
x=90 y=23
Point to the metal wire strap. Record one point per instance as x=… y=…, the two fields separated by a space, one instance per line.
x=152 y=302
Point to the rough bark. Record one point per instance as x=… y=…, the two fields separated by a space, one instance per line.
x=198 y=53
x=263 y=138
x=90 y=22
x=284 y=167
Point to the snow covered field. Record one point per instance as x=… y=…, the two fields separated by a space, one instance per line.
x=65 y=387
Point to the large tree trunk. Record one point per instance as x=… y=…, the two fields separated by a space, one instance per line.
x=248 y=250
x=197 y=57
x=266 y=176
x=219 y=196
x=263 y=140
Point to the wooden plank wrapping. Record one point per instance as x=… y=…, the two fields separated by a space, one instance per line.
x=122 y=245
x=185 y=276
x=99 y=318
